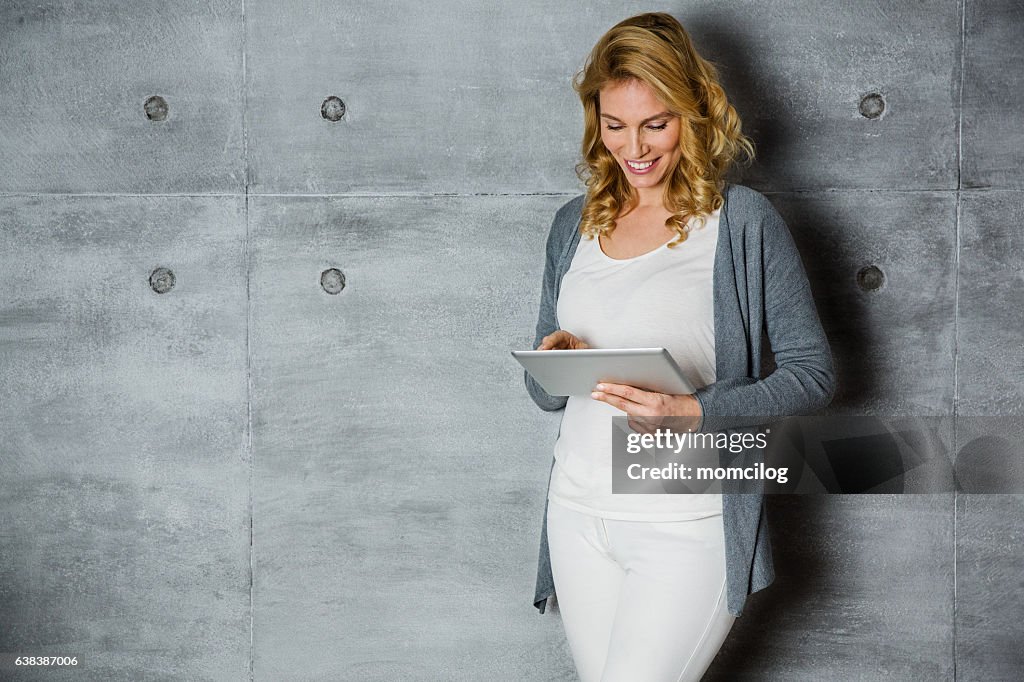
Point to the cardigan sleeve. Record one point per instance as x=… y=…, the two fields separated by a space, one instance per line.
x=804 y=378
x=546 y=321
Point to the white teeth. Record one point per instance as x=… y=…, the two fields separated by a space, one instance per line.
x=639 y=166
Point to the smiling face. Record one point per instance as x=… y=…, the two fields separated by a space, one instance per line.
x=639 y=131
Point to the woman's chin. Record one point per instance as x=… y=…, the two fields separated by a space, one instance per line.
x=642 y=182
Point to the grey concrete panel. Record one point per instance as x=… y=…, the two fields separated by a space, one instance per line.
x=124 y=507
x=798 y=74
x=469 y=97
x=990 y=335
x=993 y=95
x=863 y=591
x=400 y=465
x=989 y=589
x=76 y=77
x=893 y=346
x=477 y=97
x=989 y=560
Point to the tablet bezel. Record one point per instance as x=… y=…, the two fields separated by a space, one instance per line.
x=652 y=369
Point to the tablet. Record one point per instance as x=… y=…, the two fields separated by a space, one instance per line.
x=576 y=372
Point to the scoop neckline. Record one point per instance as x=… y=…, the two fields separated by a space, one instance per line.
x=631 y=258
x=597 y=241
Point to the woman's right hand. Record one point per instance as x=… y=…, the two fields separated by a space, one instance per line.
x=562 y=340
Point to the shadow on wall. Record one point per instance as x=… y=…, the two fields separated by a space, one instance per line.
x=763 y=637
x=804 y=569
x=840 y=303
x=751 y=91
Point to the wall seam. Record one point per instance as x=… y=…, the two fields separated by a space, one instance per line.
x=248 y=349
x=956 y=299
x=430 y=195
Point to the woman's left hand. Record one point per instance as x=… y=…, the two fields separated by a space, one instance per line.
x=654 y=409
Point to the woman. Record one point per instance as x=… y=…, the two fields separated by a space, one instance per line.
x=648 y=586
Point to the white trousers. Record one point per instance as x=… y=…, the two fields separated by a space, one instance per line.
x=640 y=601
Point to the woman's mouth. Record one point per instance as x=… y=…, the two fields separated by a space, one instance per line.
x=641 y=167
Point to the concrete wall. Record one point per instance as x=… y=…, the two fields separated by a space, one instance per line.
x=246 y=475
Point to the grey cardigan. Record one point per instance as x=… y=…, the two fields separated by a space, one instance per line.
x=759 y=285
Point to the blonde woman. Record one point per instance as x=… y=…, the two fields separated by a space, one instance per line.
x=662 y=251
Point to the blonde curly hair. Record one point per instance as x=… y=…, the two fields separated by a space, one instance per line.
x=655 y=49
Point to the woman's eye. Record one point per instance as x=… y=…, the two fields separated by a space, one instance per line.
x=657 y=127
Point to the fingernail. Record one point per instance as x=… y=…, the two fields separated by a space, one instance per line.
x=600 y=387
x=594 y=394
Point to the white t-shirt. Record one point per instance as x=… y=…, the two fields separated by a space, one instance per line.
x=661 y=298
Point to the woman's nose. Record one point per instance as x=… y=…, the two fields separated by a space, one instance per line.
x=634 y=146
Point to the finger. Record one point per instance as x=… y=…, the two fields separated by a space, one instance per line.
x=616 y=401
x=632 y=394
x=549 y=341
x=574 y=342
x=641 y=425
